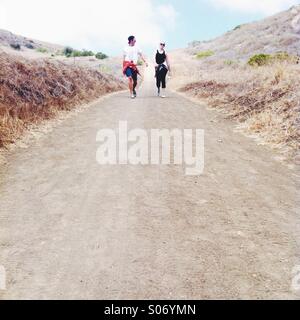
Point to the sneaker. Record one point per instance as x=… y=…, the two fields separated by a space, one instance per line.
x=132 y=96
x=158 y=92
x=134 y=93
x=163 y=95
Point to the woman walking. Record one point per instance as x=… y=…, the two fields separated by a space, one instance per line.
x=162 y=67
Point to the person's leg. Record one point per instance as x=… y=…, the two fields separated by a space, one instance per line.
x=130 y=84
x=128 y=73
x=158 y=81
x=134 y=79
x=163 y=80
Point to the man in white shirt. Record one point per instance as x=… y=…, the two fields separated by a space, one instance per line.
x=131 y=56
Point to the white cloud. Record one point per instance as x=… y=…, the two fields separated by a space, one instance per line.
x=267 y=7
x=91 y=24
x=3 y=15
x=167 y=15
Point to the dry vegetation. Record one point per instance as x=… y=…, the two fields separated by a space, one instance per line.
x=34 y=90
x=266 y=100
x=261 y=93
x=270 y=35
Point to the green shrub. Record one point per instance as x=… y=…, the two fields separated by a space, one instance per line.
x=83 y=53
x=15 y=46
x=29 y=46
x=229 y=62
x=101 y=56
x=260 y=59
x=237 y=27
x=264 y=59
x=42 y=50
x=68 y=51
x=204 y=54
x=140 y=63
x=76 y=53
x=284 y=56
x=87 y=53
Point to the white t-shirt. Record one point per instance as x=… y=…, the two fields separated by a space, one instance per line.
x=132 y=54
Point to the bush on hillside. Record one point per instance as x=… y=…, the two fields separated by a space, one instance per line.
x=76 y=53
x=261 y=59
x=101 y=56
x=81 y=53
x=68 y=51
x=204 y=54
x=284 y=56
x=15 y=46
x=87 y=53
x=42 y=50
x=29 y=46
x=229 y=62
x=265 y=59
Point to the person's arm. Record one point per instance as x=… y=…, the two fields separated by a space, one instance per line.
x=154 y=59
x=143 y=58
x=155 y=65
x=168 y=62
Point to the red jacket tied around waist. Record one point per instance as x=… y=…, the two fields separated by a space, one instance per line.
x=130 y=64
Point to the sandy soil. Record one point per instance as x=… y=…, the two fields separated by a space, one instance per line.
x=71 y=228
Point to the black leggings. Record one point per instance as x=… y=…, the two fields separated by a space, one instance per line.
x=161 y=77
x=134 y=78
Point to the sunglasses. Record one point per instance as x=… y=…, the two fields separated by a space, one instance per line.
x=163 y=44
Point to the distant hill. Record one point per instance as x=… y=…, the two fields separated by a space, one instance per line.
x=11 y=40
x=31 y=49
x=280 y=32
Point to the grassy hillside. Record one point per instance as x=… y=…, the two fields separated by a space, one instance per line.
x=16 y=42
x=35 y=90
x=277 y=33
x=24 y=47
x=252 y=75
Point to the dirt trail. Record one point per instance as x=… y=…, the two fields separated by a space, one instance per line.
x=71 y=228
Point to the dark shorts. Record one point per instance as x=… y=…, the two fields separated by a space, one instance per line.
x=130 y=73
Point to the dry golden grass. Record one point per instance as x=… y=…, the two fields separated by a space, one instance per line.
x=270 y=35
x=35 y=90
x=265 y=100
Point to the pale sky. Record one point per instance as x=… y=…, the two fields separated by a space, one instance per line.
x=104 y=25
